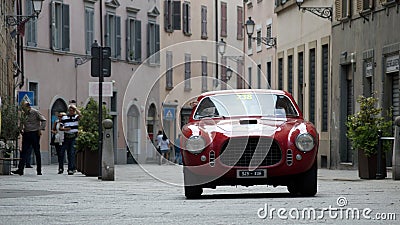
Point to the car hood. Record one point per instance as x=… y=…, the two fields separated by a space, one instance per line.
x=243 y=126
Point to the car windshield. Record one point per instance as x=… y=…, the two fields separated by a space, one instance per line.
x=249 y=104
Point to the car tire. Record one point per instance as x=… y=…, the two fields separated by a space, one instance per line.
x=305 y=184
x=192 y=191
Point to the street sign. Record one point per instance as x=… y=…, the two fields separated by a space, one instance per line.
x=94 y=89
x=169 y=113
x=27 y=96
x=105 y=68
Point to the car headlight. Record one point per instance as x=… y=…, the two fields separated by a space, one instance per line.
x=195 y=144
x=305 y=142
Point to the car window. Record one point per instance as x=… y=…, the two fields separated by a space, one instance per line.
x=227 y=105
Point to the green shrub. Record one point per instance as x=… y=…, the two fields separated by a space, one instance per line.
x=363 y=127
x=89 y=126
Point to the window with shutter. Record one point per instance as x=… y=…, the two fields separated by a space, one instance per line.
x=204 y=73
x=204 y=22
x=153 y=42
x=338 y=10
x=30 y=26
x=224 y=19
x=290 y=74
x=134 y=40
x=312 y=74
x=176 y=15
x=239 y=23
x=89 y=28
x=168 y=16
x=325 y=97
x=59 y=25
x=187 y=72
x=280 y=73
x=186 y=18
x=169 y=73
x=113 y=34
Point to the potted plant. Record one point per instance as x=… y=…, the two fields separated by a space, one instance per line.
x=87 y=141
x=363 y=129
x=9 y=133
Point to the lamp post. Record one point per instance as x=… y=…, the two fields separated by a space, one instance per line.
x=14 y=20
x=250 y=25
x=222 y=51
x=323 y=12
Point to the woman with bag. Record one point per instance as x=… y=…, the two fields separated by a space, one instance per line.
x=58 y=140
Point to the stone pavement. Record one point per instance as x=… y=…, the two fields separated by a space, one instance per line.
x=154 y=195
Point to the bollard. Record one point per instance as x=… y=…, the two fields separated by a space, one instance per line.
x=396 y=150
x=107 y=160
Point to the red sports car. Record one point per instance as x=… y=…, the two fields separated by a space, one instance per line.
x=249 y=137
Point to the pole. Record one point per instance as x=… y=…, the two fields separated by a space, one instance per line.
x=379 y=174
x=101 y=80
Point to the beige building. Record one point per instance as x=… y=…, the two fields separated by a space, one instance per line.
x=298 y=63
x=57 y=49
x=190 y=59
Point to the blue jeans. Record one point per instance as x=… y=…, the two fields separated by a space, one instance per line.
x=178 y=158
x=60 y=155
x=69 y=145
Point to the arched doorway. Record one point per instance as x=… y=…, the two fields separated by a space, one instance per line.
x=151 y=131
x=58 y=106
x=133 y=131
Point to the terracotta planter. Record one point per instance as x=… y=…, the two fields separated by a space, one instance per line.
x=91 y=163
x=368 y=166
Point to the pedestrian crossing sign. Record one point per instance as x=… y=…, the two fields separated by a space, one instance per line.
x=27 y=96
x=169 y=113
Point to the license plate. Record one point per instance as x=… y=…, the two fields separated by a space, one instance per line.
x=252 y=173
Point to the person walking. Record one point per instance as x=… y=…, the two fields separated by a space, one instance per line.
x=32 y=126
x=164 y=148
x=70 y=127
x=178 y=155
x=58 y=141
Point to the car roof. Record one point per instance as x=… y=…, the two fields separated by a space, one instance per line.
x=243 y=91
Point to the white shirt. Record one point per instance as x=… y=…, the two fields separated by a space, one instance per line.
x=164 y=145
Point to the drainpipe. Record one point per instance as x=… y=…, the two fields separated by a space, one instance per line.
x=216 y=41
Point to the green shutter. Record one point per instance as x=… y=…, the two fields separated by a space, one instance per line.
x=176 y=15
x=53 y=25
x=157 y=44
x=138 y=40
x=118 y=37
x=107 y=31
x=65 y=27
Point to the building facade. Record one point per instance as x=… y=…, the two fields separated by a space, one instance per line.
x=365 y=61
x=303 y=65
x=190 y=59
x=57 y=50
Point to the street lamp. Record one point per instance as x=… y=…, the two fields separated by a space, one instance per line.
x=13 y=20
x=324 y=12
x=222 y=51
x=269 y=41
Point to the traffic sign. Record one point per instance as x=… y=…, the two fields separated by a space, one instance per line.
x=169 y=113
x=27 y=96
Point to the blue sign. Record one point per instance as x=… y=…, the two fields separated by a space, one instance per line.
x=27 y=96
x=169 y=113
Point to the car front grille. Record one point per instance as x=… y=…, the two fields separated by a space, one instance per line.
x=250 y=152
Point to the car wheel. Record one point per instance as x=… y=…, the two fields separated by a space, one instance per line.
x=305 y=184
x=192 y=191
